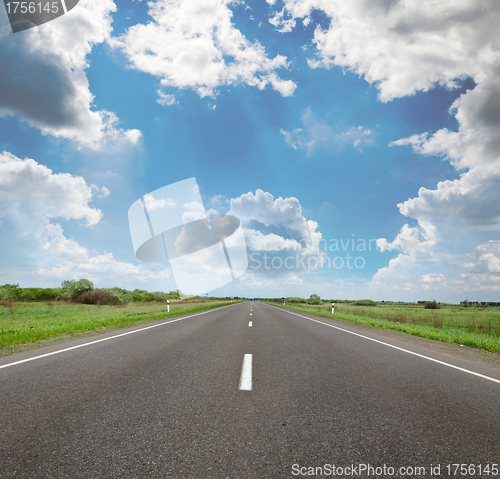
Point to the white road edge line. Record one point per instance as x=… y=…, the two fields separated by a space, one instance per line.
x=249 y=324
x=246 y=373
x=397 y=347
x=111 y=337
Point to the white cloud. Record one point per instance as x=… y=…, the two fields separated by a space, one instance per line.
x=166 y=100
x=481 y=271
x=277 y=226
x=100 y=192
x=431 y=281
x=404 y=47
x=316 y=133
x=282 y=25
x=193 y=211
x=58 y=246
x=43 y=80
x=416 y=245
x=193 y=44
x=473 y=199
x=102 y=269
x=31 y=194
x=218 y=200
x=153 y=204
x=31 y=197
x=410 y=239
x=485 y=259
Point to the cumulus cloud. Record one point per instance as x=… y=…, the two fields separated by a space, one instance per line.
x=473 y=199
x=316 y=133
x=409 y=239
x=278 y=226
x=480 y=272
x=193 y=211
x=32 y=197
x=404 y=47
x=43 y=80
x=485 y=259
x=102 y=269
x=416 y=245
x=30 y=193
x=193 y=44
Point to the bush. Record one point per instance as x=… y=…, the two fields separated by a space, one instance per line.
x=76 y=288
x=10 y=291
x=294 y=299
x=365 y=302
x=432 y=305
x=314 y=299
x=98 y=297
x=72 y=289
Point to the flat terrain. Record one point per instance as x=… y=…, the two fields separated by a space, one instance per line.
x=476 y=326
x=26 y=325
x=166 y=401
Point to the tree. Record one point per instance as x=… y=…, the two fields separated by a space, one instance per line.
x=78 y=287
x=314 y=299
x=465 y=303
x=13 y=291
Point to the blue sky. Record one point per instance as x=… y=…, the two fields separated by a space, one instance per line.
x=309 y=120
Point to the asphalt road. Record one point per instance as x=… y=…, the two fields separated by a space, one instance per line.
x=166 y=402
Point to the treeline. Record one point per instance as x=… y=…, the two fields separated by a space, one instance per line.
x=83 y=291
x=316 y=300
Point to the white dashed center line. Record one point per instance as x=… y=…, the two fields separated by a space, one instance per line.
x=246 y=373
x=249 y=324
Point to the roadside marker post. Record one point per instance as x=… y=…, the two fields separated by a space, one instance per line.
x=333 y=307
x=168 y=306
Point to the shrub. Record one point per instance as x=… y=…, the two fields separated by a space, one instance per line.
x=432 y=305
x=365 y=302
x=76 y=288
x=11 y=291
x=294 y=299
x=98 y=297
x=314 y=299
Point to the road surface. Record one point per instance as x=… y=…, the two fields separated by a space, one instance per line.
x=245 y=391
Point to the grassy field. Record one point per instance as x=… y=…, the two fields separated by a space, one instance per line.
x=33 y=322
x=474 y=326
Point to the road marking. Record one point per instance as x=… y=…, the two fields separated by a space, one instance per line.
x=111 y=337
x=64 y=6
x=250 y=314
x=250 y=324
x=246 y=373
x=397 y=347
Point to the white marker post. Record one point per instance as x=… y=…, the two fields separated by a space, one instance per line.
x=333 y=307
x=168 y=306
x=283 y=302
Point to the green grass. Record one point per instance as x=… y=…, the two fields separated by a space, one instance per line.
x=34 y=322
x=477 y=327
